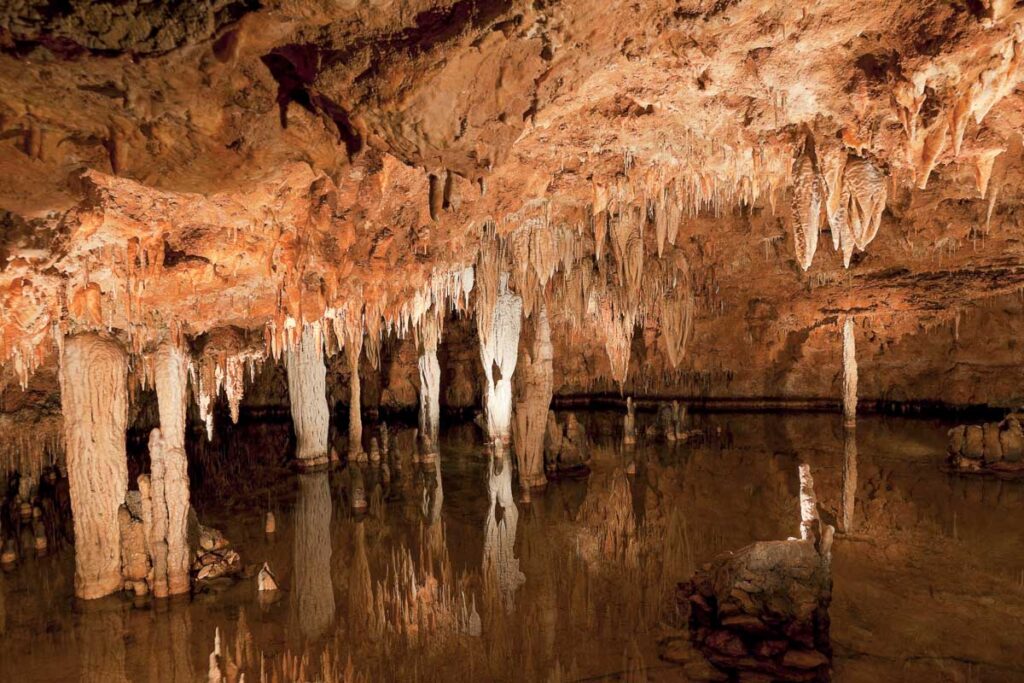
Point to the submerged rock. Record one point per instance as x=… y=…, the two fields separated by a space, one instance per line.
x=763 y=610
x=994 y=447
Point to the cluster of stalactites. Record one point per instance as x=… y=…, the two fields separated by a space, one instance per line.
x=226 y=358
x=849 y=191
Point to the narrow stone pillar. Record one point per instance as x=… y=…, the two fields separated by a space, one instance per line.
x=849 y=374
x=171 y=372
x=353 y=349
x=809 y=521
x=94 y=399
x=629 y=424
x=307 y=397
x=313 y=593
x=430 y=387
x=535 y=386
x=499 y=351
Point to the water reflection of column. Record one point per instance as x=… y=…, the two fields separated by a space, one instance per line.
x=360 y=587
x=433 y=499
x=169 y=643
x=849 y=478
x=313 y=594
x=500 y=535
x=100 y=630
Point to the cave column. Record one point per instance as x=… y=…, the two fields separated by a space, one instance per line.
x=430 y=386
x=169 y=474
x=353 y=349
x=499 y=350
x=94 y=400
x=849 y=375
x=536 y=382
x=307 y=397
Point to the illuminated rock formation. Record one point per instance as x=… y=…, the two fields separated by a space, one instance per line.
x=307 y=397
x=94 y=400
x=533 y=390
x=430 y=386
x=849 y=374
x=499 y=350
x=353 y=349
x=167 y=455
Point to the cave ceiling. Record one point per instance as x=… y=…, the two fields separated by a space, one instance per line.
x=172 y=168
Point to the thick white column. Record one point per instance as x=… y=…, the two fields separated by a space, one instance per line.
x=171 y=375
x=307 y=396
x=94 y=398
x=499 y=350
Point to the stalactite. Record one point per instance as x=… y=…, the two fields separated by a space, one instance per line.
x=171 y=376
x=534 y=382
x=867 y=197
x=849 y=374
x=806 y=206
x=307 y=397
x=499 y=349
x=430 y=385
x=94 y=400
x=313 y=593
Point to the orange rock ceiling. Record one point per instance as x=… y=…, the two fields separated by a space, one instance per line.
x=168 y=169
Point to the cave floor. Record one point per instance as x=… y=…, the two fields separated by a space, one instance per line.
x=578 y=584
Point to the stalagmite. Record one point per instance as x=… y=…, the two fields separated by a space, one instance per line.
x=353 y=349
x=159 y=523
x=94 y=399
x=307 y=396
x=809 y=521
x=849 y=374
x=171 y=375
x=313 y=594
x=535 y=383
x=430 y=386
x=629 y=424
x=499 y=350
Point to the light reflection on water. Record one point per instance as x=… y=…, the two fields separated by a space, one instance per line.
x=577 y=584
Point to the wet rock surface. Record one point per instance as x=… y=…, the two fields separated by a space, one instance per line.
x=991 y=447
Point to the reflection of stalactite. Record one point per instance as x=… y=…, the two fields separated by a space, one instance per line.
x=430 y=384
x=313 y=594
x=94 y=399
x=361 y=619
x=534 y=389
x=499 y=350
x=500 y=563
x=849 y=501
x=307 y=397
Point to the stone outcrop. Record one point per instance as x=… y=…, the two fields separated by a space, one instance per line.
x=996 y=447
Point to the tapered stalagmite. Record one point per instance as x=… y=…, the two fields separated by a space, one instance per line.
x=809 y=521
x=353 y=349
x=535 y=385
x=849 y=374
x=94 y=398
x=430 y=386
x=171 y=370
x=313 y=594
x=307 y=396
x=499 y=350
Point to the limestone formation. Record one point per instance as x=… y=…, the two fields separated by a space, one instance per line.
x=629 y=424
x=533 y=390
x=994 y=447
x=94 y=400
x=353 y=349
x=849 y=374
x=170 y=494
x=499 y=350
x=307 y=397
x=430 y=385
